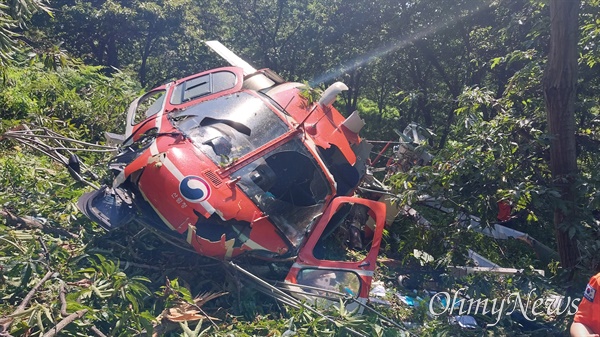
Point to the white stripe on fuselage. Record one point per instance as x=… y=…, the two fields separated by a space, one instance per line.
x=169 y=164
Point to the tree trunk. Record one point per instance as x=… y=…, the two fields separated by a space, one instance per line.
x=112 y=53
x=351 y=97
x=454 y=87
x=145 y=54
x=560 y=78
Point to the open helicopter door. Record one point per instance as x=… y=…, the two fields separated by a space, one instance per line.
x=326 y=266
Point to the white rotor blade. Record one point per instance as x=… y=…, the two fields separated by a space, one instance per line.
x=230 y=57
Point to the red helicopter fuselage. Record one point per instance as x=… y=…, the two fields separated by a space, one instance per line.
x=236 y=170
x=237 y=162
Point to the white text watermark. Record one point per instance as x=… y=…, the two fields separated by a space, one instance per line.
x=445 y=303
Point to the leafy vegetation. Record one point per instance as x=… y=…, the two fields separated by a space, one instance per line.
x=470 y=72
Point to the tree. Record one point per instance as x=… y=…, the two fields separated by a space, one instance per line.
x=560 y=78
x=159 y=40
x=14 y=17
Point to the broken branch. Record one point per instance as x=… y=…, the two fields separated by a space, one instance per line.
x=63 y=300
x=32 y=292
x=7 y=321
x=30 y=223
x=97 y=331
x=64 y=322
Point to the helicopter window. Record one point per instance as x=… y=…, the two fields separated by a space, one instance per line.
x=287 y=185
x=202 y=86
x=149 y=105
x=348 y=235
x=229 y=127
x=320 y=281
x=346 y=176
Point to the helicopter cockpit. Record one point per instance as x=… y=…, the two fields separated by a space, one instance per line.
x=228 y=127
x=288 y=185
x=285 y=181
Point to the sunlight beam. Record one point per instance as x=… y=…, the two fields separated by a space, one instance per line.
x=393 y=46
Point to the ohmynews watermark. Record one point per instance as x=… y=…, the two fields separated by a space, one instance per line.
x=454 y=305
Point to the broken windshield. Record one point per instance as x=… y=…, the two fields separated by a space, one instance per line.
x=229 y=127
x=289 y=186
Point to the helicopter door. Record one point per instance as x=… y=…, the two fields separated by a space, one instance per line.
x=340 y=255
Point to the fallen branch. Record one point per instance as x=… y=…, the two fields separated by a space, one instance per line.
x=30 y=223
x=126 y=264
x=97 y=331
x=32 y=292
x=63 y=300
x=64 y=322
x=7 y=321
x=46 y=251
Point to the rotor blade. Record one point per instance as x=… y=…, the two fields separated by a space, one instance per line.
x=231 y=57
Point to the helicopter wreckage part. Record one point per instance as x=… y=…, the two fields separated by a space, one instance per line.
x=331 y=93
x=496 y=231
x=236 y=162
x=253 y=79
x=309 y=269
x=325 y=126
x=460 y=271
x=230 y=57
x=108 y=207
x=285 y=298
x=371 y=185
x=295 y=296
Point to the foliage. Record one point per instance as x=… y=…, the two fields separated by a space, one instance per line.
x=14 y=16
x=78 y=100
x=382 y=121
x=158 y=40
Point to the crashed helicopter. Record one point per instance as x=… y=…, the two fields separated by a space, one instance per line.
x=235 y=162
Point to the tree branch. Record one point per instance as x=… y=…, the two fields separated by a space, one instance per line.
x=63 y=300
x=32 y=292
x=7 y=321
x=30 y=223
x=97 y=331
x=66 y=321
